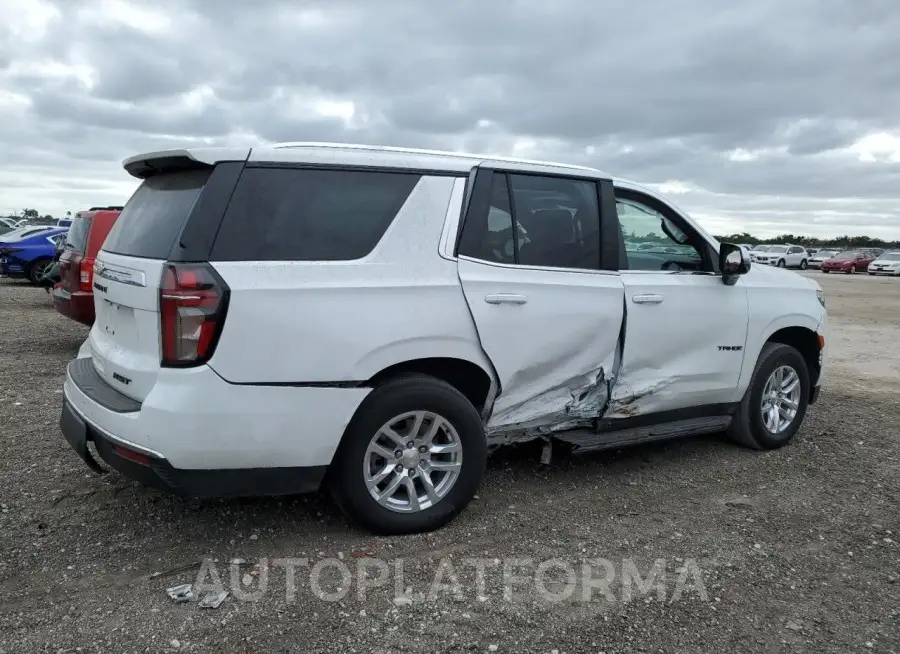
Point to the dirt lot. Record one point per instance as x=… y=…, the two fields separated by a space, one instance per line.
x=795 y=550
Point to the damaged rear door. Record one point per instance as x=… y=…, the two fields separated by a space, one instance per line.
x=548 y=317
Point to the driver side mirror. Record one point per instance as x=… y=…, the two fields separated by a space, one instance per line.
x=733 y=262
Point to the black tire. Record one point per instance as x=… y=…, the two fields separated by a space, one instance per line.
x=37 y=268
x=393 y=398
x=824 y=271
x=803 y=264
x=852 y=270
x=747 y=427
x=781 y=263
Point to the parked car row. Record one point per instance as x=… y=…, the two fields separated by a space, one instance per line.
x=861 y=260
x=61 y=259
x=871 y=260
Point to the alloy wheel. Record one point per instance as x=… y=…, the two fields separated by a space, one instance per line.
x=780 y=399
x=413 y=461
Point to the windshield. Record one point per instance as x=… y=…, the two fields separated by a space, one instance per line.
x=762 y=248
x=891 y=256
x=849 y=254
x=78 y=233
x=778 y=248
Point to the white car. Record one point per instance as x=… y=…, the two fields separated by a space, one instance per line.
x=783 y=256
x=276 y=318
x=887 y=264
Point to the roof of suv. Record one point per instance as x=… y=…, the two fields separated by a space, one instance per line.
x=346 y=153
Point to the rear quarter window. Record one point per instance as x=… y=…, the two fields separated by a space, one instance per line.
x=155 y=215
x=290 y=214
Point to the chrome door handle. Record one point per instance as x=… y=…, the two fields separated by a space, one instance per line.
x=647 y=298
x=505 y=298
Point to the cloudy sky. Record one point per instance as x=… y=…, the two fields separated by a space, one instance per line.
x=767 y=115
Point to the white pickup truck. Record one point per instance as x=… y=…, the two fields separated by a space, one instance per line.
x=376 y=319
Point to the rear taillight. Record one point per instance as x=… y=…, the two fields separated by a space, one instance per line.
x=192 y=304
x=85 y=274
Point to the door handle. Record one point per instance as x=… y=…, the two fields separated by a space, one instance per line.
x=505 y=298
x=647 y=298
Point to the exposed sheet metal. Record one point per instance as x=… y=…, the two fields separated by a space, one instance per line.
x=575 y=403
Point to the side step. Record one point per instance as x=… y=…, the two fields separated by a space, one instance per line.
x=588 y=441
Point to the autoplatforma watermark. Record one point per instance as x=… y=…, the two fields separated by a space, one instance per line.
x=508 y=579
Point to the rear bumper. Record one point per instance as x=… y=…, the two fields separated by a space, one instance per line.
x=79 y=306
x=12 y=267
x=205 y=437
x=156 y=472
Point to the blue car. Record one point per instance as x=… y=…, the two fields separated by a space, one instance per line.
x=28 y=252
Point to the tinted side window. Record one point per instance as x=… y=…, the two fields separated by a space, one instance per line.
x=286 y=214
x=556 y=222
x=559 y=221
x=492 y=240
x=153 y=217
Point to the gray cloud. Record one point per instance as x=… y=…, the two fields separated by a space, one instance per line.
x=756 y=106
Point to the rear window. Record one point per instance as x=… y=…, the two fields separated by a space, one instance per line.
x=153 y=217
x=285 y=214
x=76 y=239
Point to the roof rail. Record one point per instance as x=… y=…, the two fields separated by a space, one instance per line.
x=435 y=153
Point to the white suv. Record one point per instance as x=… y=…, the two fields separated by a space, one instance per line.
x=783 y=256
x=276 y=318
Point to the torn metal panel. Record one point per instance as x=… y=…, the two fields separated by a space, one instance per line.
x=552 y=339
x=627 y=401
x=579 y=402
x=575 y=404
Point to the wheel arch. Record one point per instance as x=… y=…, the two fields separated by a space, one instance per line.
x=466 y=376
x=799 y=330
x=805 y=341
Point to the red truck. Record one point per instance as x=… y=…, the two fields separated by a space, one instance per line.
x=73 y=296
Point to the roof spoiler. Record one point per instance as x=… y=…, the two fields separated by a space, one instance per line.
x=149 y=164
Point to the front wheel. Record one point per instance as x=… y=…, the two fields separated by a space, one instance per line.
x=781 y=263
x=852 y=270
x=803 y=264
x=775 y=403
x=411 y=459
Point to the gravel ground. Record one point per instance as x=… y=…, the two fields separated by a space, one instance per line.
x=794 y=550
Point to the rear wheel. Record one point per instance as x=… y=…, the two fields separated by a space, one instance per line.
x=852 y=270
x=411 y=459
x=803 y=264
x=775 y=403
x=37 y=270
